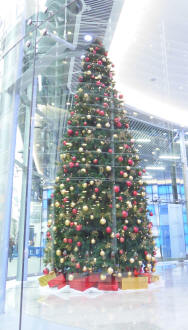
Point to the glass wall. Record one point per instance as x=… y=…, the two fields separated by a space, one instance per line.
x=42 y=44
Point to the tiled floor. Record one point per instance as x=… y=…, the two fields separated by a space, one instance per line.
x=161 y=307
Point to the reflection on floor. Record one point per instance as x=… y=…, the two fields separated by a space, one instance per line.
x=158 y=308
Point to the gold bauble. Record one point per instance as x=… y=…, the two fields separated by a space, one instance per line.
x=139 y=221
x=89 y=131
x=88 y=116
x=80 y=90
x=98 y=125
x=148 y=257
x=61 y=215
x=110 y=270
x=153 y=259
x=99 y=150
x=107 y=125
x=93 y=241
x=102 y=253
x=84 y=185
x=54 y=228
x=76 y=249
x=83 y=160
x=67 y=222
x=130 y=177
x=153 y=242
x=143 y=193
x=63 y=156
x=115 y=136
x=71 y=188
x=85 y=208
x=95 y=260
x=63 y=192
x=129 y=274
x=108 y=168
x=58 y=253
x=91 y=216
x=140 y=262
x=49 y=222
x=119 y=275
x=117 y=206
x=112 y=235
x=104 y=59
x=126 y=221
x=103 y=277
x=125 y=175
x=93 y=196
x=80 y=149
x=61 y=186
x=83 y=170
x=131 y=260
x=88 y=72
x=84 y=269
x=137 y=157
x=62 y=260
x=91 y=182
x=153 y=270
x=140 y=182
x=57 y=179
x=57 y=204
x=71 y=277
x=72 y=204
x=102 y=221
x=128 y=168
x=149 y=266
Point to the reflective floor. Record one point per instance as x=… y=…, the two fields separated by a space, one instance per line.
x=162 y=306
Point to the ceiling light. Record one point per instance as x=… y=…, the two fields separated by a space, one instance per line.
x=157 y=168
x=169 y=157
x=88 y=37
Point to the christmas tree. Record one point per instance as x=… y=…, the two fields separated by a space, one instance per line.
x=100 y=219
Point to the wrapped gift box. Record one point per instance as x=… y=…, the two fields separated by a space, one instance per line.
x=43 y=280
x=155 y=278
x=81 y=284
x=134 y=283
x=148 y=275
x=113 y=286
x=59 y=281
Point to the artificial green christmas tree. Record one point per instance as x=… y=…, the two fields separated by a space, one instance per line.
x=100 y=219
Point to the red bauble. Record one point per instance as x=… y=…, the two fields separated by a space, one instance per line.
x=65 y=199
x=110 y=151
x=127 y=125
x=108 y=230
x=145 y=252
x=77 y=164
x=74 y=211
x=121 y=172
x=64 y=142
x=120 y=251
x=151 y=214
x=105 y=104
x=72 y=113
x=70 y=240
x=110 y=205
x=130 y=162
x=76 y=133
x=95 y=161
x=106 y=53
x=136 y=273
x=79 y=244
x=80 y=79
x=78 y=227
x=120 y=96
x=89 y=66
x=65 y=240
x=120 y=198
x=120 y=158
x=124 y=214
x=97 y=98
x=71 y=164
x=134 y=202
x=119 y=124
x=45 y=271
x=78 y=266
x=86 y=59
x=52 y=196
x=150 y=225
x=135 y=229
x=69 y=122
x=122 y=240
x=71 y=224
x=74 y=158
x=99 y=62
x=98 y=83
x=116 y=189
x=118 y=235
x=65 y=170
x=140 y=173
x=76 y=96
x=96 y=190
x=144 y=171
x=67 y=179
x=125 y=228
x=102 y=113
x=126 y=146
x=70 y=132
x=94 y=51
x=97 y=48
x=85 y=123
x=116 y=120
x=135 y=193
x=103 y=85
x=128 y=183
